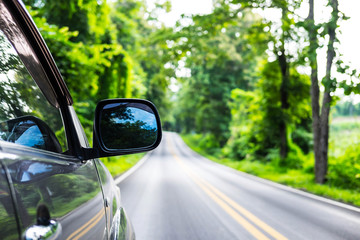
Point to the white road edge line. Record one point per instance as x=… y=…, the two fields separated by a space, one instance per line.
x=126 y=174
x=284 y=187
x=300 y=192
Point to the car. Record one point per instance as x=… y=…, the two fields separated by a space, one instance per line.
x=52 y=183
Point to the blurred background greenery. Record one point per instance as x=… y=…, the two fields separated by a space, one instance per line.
x=236 y=85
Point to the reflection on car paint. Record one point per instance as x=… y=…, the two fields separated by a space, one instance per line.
x=8 y=229
x=45 y=228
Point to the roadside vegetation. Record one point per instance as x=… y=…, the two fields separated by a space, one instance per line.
x=343 y=178
x=119 y=165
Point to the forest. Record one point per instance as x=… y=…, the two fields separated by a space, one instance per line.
x=242 y=89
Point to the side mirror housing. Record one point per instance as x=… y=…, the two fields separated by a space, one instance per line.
x=125 y=126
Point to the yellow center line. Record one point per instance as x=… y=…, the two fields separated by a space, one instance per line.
x=242 y=221
x=247 y=214
x=229 y=205
x=86 y=227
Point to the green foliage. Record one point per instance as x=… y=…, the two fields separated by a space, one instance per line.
x=206 y=145
x=256 y=117
x=344 y=156
x=89 y=18
x=219 y=61
x=303 y=138
x=206 y=99
x=344 y=133
x=245 y=116
x=86 y=62
x=209 y=143
x=95 y=43
x=345 y=170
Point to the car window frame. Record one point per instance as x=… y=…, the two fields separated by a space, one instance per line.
x=23 y=34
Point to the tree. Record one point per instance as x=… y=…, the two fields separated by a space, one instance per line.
x=255 y=113
x=217 y=52
x=281 y=38
x=146 y=42
x=321 y=115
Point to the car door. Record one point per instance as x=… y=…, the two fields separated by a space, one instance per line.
x=57 y=190
x=53 y=192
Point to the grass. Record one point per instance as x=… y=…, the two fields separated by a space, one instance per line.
x=344 y=132
x=302 y=179
x=120 y=164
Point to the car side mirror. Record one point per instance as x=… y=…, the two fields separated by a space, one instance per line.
x=124 y=126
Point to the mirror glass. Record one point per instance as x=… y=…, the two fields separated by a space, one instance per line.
x=29 y=131
x=128 y=126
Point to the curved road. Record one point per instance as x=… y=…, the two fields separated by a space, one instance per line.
x=177 y=194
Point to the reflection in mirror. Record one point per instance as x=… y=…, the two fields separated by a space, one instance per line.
x=31 y=132
x=128 y=126
x=25 y=133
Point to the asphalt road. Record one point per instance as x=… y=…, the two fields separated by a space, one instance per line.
x=177 y=194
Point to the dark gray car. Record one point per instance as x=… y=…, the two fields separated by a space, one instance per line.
x=52 y=185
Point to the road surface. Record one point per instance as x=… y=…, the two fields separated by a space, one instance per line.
x=177 y=194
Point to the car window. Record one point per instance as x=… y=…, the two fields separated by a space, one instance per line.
x=26 y=117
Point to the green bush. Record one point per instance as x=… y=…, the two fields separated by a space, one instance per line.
x=345 y=171
x=303 y=139
x=237 y=148
x=308 y=163
x=210 y=144
x=273 y=156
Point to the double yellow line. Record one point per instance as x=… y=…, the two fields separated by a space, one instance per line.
x=87 y=226
x=237 y=212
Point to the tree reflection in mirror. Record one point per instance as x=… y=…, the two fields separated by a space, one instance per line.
x=128 y=126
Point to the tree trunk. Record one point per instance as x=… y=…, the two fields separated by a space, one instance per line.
x=321 y=121
x=322 y=164
x=284 y=93
x=284 y=67
x=315 y=106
